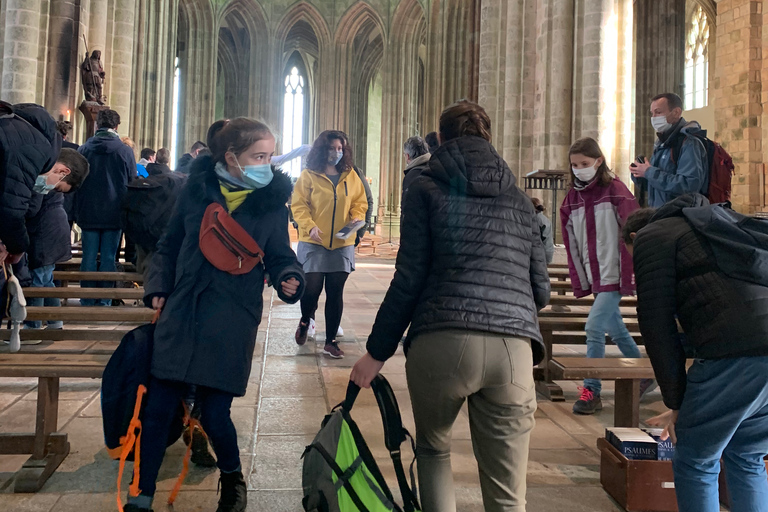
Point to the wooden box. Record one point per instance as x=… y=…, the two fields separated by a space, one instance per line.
x=638 y=485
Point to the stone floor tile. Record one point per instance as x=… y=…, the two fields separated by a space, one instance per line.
x=291 y=416
x=275 y=501
x=39 y=502
x=291 y=364
x=277 y=462
x=581 y=498
x=292 y=385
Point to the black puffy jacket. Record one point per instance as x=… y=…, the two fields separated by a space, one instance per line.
x=49 y=233
x=676 y=274
x=470 y=256
x=29 y=146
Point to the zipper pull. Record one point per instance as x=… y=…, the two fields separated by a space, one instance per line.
x=239 y=262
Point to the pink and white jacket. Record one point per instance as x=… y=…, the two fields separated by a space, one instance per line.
x=592 y=217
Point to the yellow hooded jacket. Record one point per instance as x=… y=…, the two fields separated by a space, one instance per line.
x=316 y=202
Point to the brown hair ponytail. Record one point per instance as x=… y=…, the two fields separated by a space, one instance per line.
x=236 y=136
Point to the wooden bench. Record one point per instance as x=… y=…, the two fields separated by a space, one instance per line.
x=102 y=346
x=47 y=447
x=73 y=292
x=90 y=314
x=548 y=325
x=369 y=241
x=115 y=334
x=67 y=276
x=570 y=300
x=74 y=265
x=626 y=372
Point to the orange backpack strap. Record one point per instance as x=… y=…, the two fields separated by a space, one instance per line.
x=132 y=438
x=192 y=423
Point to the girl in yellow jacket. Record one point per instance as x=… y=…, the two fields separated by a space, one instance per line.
x=328 y=195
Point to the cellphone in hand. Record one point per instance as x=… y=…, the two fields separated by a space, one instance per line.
x=640 y=159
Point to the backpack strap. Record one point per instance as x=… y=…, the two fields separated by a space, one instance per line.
x=132 y=438
x=394 y=435
x=192 y=423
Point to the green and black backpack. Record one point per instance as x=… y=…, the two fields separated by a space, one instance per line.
x=340 y=473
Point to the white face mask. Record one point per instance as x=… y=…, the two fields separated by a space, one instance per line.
x=585 y=175
x=660 y=124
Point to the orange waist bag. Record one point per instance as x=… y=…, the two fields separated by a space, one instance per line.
x=225 y=244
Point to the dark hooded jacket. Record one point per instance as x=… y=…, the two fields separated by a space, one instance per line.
x=155 y=169
x=49 y=233
x=207 y=331
x=113 y=166
x=29 y=146
x=470 y=257
x=677 y=274
x=185 y=163
x=412 y=171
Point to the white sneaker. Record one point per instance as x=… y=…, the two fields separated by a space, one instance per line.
x=311 y=330
x=340 y=333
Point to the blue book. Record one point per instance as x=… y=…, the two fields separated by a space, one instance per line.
x=633 y=443
x=666 y=448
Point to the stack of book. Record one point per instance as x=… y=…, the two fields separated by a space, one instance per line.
x=640 y=444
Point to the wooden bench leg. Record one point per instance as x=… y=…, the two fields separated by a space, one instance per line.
x=544 y=384
x=47 y=447
x=627 y=404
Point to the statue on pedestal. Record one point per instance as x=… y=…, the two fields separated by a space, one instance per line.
x=93 y=77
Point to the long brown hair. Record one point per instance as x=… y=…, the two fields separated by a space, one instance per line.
x=317 y=158
x=464 y=118
x=236 y=135
x=590 y=148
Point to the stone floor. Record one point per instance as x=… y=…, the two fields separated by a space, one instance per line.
x=290 y=391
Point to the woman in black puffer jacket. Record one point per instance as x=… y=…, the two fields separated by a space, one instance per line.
x=471 y=275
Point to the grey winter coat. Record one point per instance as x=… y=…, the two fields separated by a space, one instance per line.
x=207 y=331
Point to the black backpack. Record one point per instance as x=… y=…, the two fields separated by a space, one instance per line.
x=147 y=207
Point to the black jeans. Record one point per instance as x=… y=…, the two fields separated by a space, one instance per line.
x=334 y=299
x=163 y=398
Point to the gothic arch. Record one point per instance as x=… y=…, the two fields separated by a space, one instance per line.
x=312 y=39
x=360 y=42
x=197 y=51
x=250 y=53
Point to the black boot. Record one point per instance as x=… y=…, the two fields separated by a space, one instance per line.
x=234 y=493
x=133 y=508
x=200 y=454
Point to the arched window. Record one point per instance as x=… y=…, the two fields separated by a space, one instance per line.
x=697 y=60
x=294 y=110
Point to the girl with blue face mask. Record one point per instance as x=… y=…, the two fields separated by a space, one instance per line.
x=206 y=333
x=328 y=195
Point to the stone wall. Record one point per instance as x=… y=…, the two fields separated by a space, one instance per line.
x=740 y=90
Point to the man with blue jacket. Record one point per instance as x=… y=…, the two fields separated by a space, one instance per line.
x=98 y=202
x=679 y=164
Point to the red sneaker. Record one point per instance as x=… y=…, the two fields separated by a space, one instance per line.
x=332 y=349
x=301 y=333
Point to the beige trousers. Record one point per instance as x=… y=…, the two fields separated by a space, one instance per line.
x=494 y=374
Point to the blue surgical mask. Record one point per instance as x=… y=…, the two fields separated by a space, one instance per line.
x=335 y=157
x=258 y=176
x=41 y=185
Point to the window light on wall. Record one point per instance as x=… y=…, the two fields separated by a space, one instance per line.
x=293 y=118
x=697 y=61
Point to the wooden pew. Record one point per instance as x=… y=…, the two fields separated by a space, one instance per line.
x=90 y=314
x=570 y=300
x=626 y=372
x=47 y=447
x=73 y=292
x=548 y=325
x=82 y=334
x=67 y=276
x=74 y=265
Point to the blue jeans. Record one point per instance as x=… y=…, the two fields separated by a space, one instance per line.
x=95 y=242
x=43 y=278
x=605 y=317
x=163 y=399
x=724 y=414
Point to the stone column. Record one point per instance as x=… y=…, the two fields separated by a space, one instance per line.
x=122 y=59
x=554 y=84
x=97 y=25
x=20 y=50
x=63 y=65
x=659 y=60
x=507 y=72
x=739 y=84
x=602 y=79
x=152 y=95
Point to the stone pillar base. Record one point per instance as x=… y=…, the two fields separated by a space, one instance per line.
x=90 y=111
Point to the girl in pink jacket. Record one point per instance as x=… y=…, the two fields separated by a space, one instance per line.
x=592 y=214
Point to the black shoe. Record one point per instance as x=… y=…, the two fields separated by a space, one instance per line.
x=200 y=454
x=234 y=493
x=588 y=402
x=133 y=508
x=301 y=333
